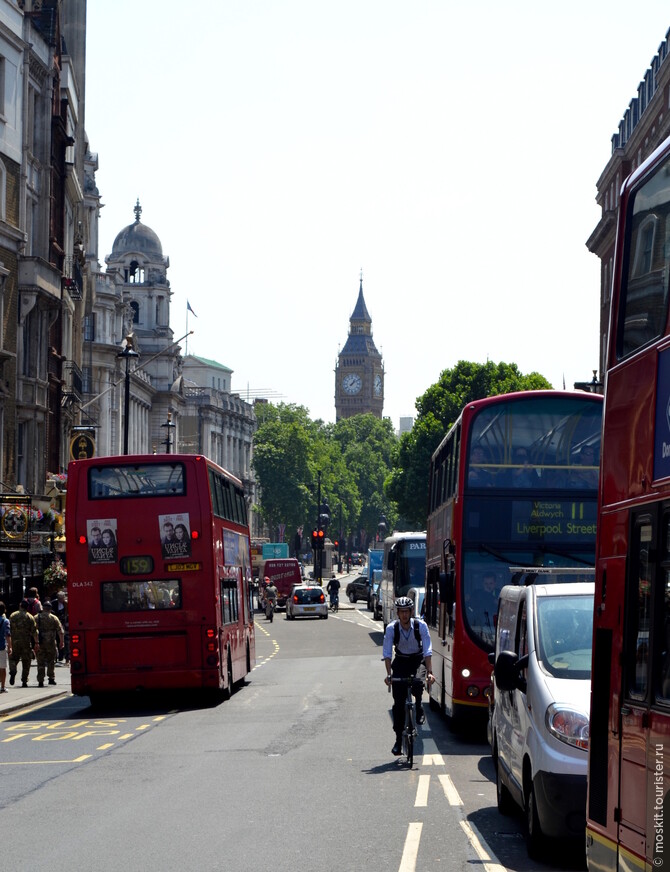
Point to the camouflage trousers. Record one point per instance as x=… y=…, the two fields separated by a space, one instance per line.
x=46 y=659
x=21 y=653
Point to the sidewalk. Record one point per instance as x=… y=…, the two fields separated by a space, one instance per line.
x=18 y=697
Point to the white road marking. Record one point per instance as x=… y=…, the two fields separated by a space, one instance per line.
x=450 y=791
x=411 y=849
x=433 y=760
x=421 y=800
x=485 y=854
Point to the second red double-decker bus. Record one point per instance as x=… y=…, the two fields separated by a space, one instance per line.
x=513 y=483
x=159 y=575
x=629 y=748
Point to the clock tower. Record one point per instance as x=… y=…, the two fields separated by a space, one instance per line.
x=359 y=374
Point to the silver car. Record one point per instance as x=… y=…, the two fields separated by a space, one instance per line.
x=306 y=600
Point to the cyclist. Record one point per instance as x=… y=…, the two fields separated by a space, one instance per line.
x=271 y=593
x=333 y=588
x=413 y=656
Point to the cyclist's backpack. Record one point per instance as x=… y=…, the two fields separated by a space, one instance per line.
x=417 y=634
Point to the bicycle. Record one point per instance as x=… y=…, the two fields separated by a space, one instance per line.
x=409 y=732
x=334 y=602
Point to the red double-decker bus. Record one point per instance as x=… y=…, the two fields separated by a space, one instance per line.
x=513 y=483
x=629 y=749
x=159 y=575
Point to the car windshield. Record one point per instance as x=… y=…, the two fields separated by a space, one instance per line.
x=564 y=631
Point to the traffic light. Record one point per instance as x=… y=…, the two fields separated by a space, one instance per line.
x=318 y=537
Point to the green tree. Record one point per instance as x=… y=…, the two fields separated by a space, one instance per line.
x=368 y=446
x=283 y=463
x=438 y=408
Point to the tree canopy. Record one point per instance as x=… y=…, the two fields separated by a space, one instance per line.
x=350 y=460
x=438 y=408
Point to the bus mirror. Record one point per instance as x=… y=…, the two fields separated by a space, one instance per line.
x=391 y=560
x=447 y=590
x=507 y=671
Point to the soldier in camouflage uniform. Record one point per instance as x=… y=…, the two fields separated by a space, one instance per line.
x=24 y=636
x=49 y=628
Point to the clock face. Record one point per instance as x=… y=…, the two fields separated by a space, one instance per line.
x=378 y=386
x=352 y=384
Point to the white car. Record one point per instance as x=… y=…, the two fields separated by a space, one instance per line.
x=540 y=714
x=306 y=600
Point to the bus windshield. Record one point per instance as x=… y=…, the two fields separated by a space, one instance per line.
x=536 y=443
x=132 y=480
x=410 y=566
x=484 y=575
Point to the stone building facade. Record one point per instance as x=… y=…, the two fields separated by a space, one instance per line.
x=643 y=127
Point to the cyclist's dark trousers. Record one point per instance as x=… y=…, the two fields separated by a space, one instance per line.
x=402 y=666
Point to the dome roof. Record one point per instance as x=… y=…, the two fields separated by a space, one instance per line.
x=138 y=237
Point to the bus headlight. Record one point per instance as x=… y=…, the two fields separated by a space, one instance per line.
x=568 y=725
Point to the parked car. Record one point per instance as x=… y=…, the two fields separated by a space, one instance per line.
x=376 y=598
x=374 y=587
x=306 y=600
x=358 y=588
x=540 y=751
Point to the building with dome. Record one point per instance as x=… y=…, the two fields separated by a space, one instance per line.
x=175 y=404
x=359 y=374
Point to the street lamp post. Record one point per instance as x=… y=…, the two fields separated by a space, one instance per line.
x=127 y=353
x=169 y=425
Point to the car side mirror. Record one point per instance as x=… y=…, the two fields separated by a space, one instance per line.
x=507 y=671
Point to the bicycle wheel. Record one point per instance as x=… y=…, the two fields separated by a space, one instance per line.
x=408 y=742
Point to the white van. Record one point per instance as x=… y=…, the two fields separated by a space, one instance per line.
x=540 y=714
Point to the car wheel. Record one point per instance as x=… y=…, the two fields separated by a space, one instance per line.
x=352 y=598
x=535 y=840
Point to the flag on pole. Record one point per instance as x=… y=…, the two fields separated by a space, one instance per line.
x=189 y=309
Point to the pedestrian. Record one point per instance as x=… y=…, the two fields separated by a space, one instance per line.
x=5 y=646
x=24 y=639
x=60 y=610
x=34 y=604
x=52 y=639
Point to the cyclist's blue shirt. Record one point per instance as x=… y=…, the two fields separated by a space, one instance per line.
x=407 y=642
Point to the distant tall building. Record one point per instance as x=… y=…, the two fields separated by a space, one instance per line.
x=359 y=374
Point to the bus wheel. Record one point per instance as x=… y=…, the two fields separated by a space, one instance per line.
x=229 y=676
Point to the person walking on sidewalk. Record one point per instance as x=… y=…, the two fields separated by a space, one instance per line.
x=24 y=638
x=49 y=628
x=5 y=646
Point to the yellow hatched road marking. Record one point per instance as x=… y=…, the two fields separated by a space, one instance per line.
x=44 y=762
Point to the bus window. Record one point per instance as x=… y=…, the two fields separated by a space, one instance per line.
x=138 y=596
x=639 y=611
x=644 y=289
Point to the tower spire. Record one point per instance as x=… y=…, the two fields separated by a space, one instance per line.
x=138 y=211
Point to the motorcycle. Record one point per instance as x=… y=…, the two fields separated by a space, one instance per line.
x=269 y=608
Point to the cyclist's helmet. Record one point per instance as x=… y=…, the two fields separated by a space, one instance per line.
x=404 y=602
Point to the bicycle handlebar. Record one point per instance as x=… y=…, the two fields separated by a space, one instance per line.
x=409 y=680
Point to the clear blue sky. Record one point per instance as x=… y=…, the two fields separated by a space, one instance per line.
x=449 y=149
